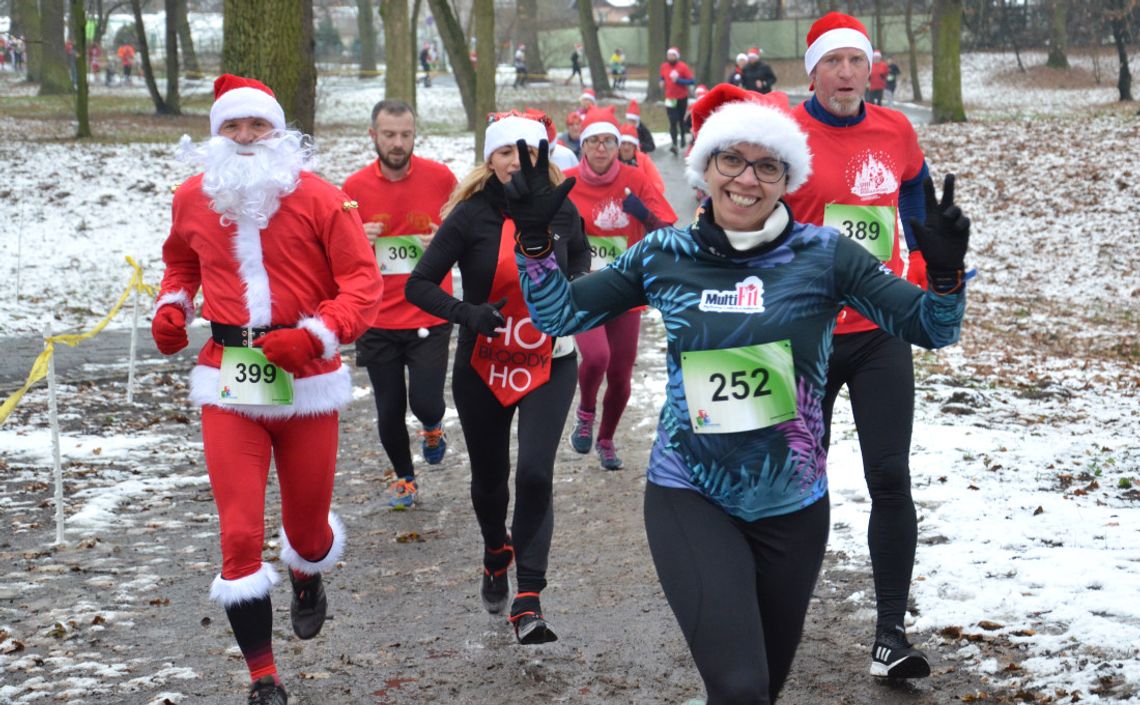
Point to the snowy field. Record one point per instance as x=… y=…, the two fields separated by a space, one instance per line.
x=1025 y=457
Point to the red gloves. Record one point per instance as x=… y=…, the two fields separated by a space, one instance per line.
x=169 y=329
x=916 y=269
x=290 y=348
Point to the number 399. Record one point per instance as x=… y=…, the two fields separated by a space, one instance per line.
x=255 y=373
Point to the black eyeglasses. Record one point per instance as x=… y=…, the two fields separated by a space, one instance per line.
x=731 y=164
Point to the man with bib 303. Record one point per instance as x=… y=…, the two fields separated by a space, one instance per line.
x=736 y=506
x=868 y=172
x=287 y=276
x=619 y=205
x=400 y=195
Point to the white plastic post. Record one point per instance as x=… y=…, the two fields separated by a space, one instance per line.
x=134 y=343
x=57 y=466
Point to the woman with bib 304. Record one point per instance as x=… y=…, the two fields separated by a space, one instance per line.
x=736 y=507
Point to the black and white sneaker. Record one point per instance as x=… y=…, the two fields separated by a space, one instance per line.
x=893 y=656
x=266 y=691
x=309 y=606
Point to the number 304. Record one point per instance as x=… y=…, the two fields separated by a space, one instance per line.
x=255 y=373
x=740 y=385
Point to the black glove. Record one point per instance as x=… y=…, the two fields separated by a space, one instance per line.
x=943 y=239
x=533 y=201
x=632 y=204
x=482 y=318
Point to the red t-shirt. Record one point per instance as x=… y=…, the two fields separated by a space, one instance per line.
x=600 y=205
x=879 y=72
x=861 y=166
x=674 y=90
x=406 y=207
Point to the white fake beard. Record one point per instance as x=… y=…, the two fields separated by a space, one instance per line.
x=248 y=181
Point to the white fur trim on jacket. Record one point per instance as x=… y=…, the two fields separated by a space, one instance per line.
x=511 y=129
x=753 y=123
x=839 y=38
x=298 y=563
x=228 y=593
x=251 y=268
x=312 y=396
x=317 y=327
x=246 y=102
x=176 y=298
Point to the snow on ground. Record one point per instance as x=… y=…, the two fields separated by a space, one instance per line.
x=1025 y=433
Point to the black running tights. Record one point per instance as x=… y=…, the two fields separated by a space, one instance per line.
x=677 y=121
x=740 y=590
x=879 y=373
x=487 y=432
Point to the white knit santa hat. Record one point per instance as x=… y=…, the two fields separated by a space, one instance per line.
x=508 y=128
x=835 y=30
x=729 y=115
x=236 y=97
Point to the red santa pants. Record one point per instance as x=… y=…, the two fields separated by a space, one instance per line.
x=238 y=450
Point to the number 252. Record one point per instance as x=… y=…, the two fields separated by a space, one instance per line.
x=741 y=383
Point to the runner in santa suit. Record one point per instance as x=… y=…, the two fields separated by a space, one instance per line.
x=619 y=205
x=736 y=506
x=867 y=175
x=287 y=276
x=400 y=195
x=631 y=155
x=503 y=366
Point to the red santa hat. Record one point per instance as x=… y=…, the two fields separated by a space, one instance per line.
x=835 y=30
x=508 y=128
x=700 y=90
x=729 y=115
x=589 y=95
x=754 y=52
x=573 y=118
x=876 y=55
x=633 y=112
x=628 y=134
x=237 y=97
x=600 y=121
x=672 y=53
x=536 y=114
x=741 y=58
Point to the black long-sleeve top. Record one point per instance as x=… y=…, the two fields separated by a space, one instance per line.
x=470 y=236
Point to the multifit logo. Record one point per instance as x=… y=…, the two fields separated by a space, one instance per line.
x=747 y=297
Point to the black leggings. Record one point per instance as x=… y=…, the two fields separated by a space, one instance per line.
x=740 y=590
x=487 y=431
x=879 y=373
x=677 y=120
x=385 y=353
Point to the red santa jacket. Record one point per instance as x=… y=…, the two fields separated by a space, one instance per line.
x=311 y=267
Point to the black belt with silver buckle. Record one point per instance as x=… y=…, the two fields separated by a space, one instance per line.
x=237 y=336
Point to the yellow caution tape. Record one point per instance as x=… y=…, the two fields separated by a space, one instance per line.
x=40 y=366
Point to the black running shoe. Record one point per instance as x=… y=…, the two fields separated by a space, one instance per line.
x=530 y=626
x=309 y=605
x=893 y=656
x=266 y=691
x=496 y=588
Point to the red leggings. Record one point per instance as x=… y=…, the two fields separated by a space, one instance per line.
x=608 y=351
x=238 y=450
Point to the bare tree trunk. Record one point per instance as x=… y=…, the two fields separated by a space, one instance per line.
x=367 y=32
x=1058 y=35
x=723 y=37
x=173 y=20
x=79 y=36
x=485 y=66
x=400 y=76
x=26 y=23
x=947 y=35
x=55 y=77
x=656 y=47
x=526 y=14
x=1118 y=17
x=599 y=79
x=186 y=39
x=282 y=59
x=880 y=31
x=679 y=27
x=781 y=10
x=455 y=44
x=144 y=51
x=709 y=63
x=912 y=44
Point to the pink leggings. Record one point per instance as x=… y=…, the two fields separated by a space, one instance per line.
x=238 y=450
x=608 y=350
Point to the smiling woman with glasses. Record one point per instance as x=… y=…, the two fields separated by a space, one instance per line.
x=736 y=505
